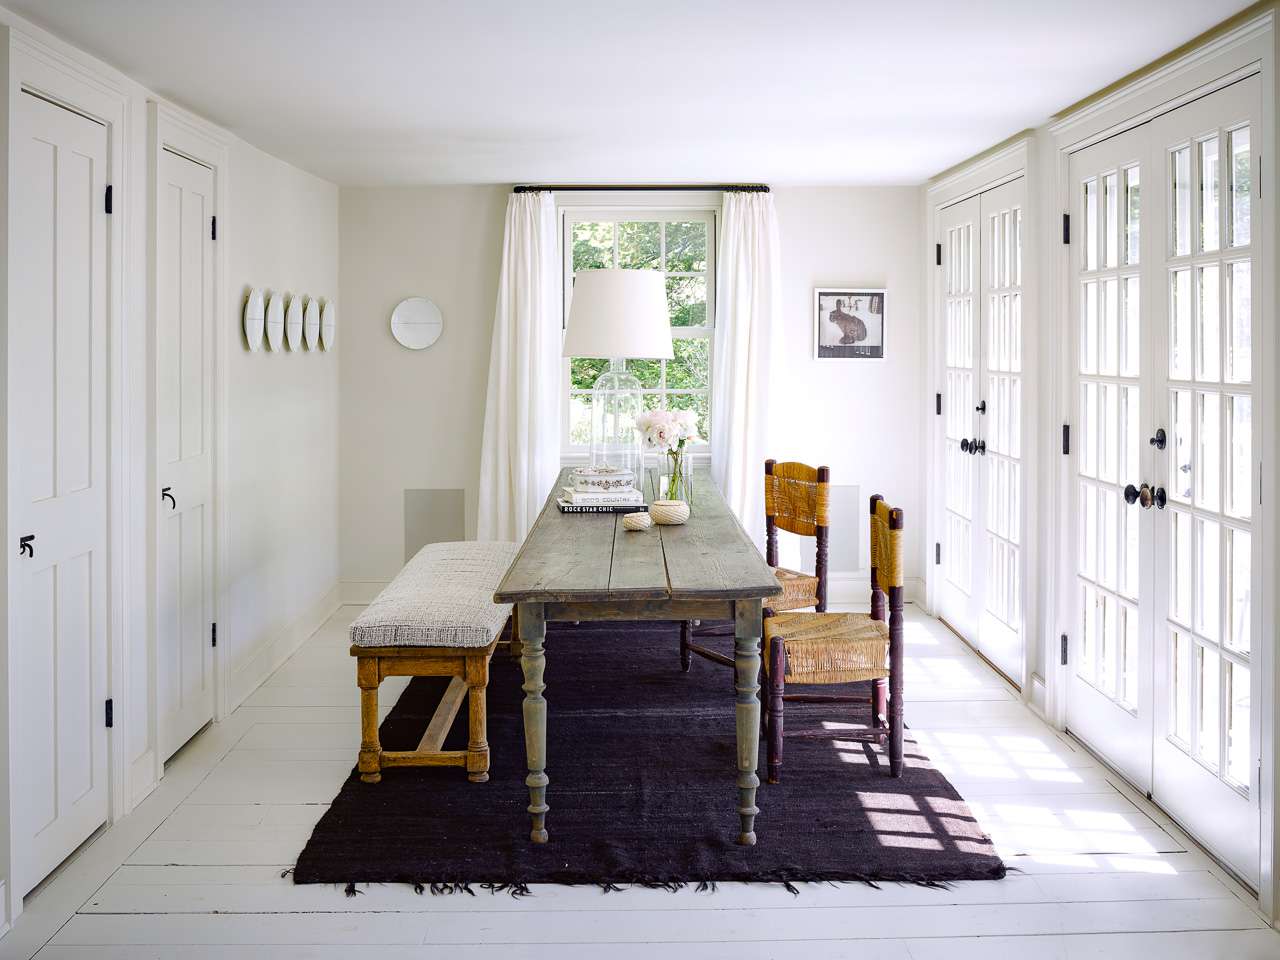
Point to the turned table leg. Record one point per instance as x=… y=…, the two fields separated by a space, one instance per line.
x=746 y=657
x=533 y=632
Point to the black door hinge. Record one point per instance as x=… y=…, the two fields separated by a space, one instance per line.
x=937 y=554
x=213 y=633
x=111 y=720
x=213 y=228
x=1066 y=228
x=937 y=404
x=939 y=254
x=1066 y=439
x=1064 y=649
x=106 y=204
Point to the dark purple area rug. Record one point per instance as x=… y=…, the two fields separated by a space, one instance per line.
x=641 y=761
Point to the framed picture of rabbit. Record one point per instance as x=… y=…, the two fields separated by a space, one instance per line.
x=848 y=323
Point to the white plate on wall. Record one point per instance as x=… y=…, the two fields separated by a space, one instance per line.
x=293 y=322
x=311 y=323
x=275 y=321
x=328 y=325
x=416 y=323
x=255 y=320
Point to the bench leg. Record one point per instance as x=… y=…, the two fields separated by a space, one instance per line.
x=477 y=678
x=370 y=764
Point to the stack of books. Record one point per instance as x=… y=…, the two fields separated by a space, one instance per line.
x=611 y=501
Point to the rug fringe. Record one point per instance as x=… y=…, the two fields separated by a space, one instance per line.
x=789 y=882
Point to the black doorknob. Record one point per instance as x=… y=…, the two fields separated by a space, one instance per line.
x=166 y=495
x=978 y=446
x=964 y=445
x=1144 y=496
x=26 y=545
x=982 y=407
x=1159 y=440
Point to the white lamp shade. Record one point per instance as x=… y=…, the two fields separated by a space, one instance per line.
x=619 y=314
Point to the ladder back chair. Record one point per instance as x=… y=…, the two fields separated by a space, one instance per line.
x=797 y=499
x=841 y=648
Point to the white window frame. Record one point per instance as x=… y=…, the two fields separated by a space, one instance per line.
x=657 y=207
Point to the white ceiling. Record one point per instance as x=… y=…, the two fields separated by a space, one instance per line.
x=495 y=91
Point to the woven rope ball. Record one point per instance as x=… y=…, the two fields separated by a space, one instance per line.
x=669 y=512
x=636 y=521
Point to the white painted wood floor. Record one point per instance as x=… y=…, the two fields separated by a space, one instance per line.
x=195 y=870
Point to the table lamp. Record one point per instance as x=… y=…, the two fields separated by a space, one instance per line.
x=618 y=315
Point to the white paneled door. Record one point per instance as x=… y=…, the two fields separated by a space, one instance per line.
x=1166 y=463
x=184 y=450
x=981 y=546
x=58 y=404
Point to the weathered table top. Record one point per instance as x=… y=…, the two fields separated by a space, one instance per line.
x=577 y=557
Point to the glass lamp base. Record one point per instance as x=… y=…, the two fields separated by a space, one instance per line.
x=616 y=402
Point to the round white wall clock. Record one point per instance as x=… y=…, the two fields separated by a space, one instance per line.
x=293 y=322
x=416 y=323
x=328 y=325
x=311 y=323
x=255 y=318
x=275 y=321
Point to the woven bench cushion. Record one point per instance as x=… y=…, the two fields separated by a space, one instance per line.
x=442 y=598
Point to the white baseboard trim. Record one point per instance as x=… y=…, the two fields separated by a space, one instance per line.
x=276 y=650
x=142 y=778
x=1038 y=694
x=856 y=588
x=361 y=591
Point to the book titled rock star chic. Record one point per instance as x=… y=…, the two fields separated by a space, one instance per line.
x=566 y=507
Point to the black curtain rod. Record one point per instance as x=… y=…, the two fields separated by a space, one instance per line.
x=573 y=187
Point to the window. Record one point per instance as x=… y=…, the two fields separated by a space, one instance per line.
x=679 y=243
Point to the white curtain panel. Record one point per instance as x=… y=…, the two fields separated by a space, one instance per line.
x=748 y=305
x=520 y=457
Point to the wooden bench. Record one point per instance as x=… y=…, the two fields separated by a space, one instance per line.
x=437 y=618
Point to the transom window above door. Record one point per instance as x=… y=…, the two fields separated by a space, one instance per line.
x=680 y=244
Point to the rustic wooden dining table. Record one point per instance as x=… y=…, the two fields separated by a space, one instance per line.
x=585 y=566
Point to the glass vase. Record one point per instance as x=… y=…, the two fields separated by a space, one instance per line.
x=675 y=477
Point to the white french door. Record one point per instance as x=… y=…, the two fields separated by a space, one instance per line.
x=1110 y=696
x=981 y=546
x=184 y=450
x=58 y=502
x=1166 y=464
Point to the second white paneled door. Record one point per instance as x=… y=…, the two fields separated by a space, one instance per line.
x=981 y=545
x=184 y=450
x=1165 y=502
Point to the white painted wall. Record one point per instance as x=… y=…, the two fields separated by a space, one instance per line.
x=411 y=419
x=414 y=419
x=862 y=418
x=281 y=500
